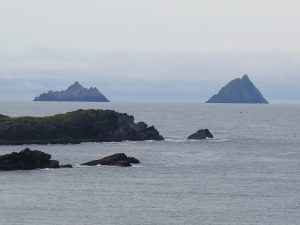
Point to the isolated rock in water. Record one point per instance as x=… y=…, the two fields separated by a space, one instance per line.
x=75 y=92
x=27 y=160
x=240 y=90
x=118 y=159
x=201 y=134
x=66 y=166
x=75 y=127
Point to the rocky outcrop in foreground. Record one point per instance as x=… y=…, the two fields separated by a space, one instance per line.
x=240 y=90
x=28 y=160
x=201 y=134
x=75 y=92
x=118 y=159
x=75 y=127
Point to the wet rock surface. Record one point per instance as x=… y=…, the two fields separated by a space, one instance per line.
x=28 y=160
x=201 y=134
x=118 y=159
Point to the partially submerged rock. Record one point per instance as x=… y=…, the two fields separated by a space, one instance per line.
x=201 y=134
x=118 y=159
x=66 y=166
x=28 y=160
x=75 y=127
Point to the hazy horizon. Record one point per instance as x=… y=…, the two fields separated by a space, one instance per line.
x=149 y=51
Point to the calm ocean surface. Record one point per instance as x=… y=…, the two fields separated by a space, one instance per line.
x=249 y=174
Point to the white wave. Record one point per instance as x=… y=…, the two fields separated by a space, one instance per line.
x=175 y=140
x=216 y=140
x=136 y=166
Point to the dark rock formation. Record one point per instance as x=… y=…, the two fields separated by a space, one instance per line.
x=28 y=160
x=118 y=159
x=75 y=127
x=201 y=134
x=133 y=160
x=240 y=90
x=66 y=166
x=3 y=117
x=76 y=92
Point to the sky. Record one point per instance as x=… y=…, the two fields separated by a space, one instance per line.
x=170 y=50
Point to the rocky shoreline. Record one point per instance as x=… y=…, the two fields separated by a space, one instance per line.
x=74 y=128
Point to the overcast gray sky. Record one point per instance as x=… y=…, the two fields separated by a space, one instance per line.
x=149 y=47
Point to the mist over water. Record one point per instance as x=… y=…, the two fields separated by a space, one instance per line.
x=151 y=76
x=249 y=174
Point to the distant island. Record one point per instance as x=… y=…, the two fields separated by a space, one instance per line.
x=74 y=93
x=240 y=90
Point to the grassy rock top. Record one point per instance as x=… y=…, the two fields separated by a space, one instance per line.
x=75 y=127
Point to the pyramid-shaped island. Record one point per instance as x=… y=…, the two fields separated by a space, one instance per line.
x=74 y=93
x=240 y=90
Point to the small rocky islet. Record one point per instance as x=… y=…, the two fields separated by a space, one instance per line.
x=28 y=159
x=75 y=127
x=118 y=159
x=201 y=134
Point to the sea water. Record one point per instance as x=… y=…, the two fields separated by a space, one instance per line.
x=248 y=174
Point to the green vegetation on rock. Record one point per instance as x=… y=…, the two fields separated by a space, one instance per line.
x=75 y=127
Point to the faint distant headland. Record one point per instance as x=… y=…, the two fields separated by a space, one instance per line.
x=74 y=93
x=240 y=90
